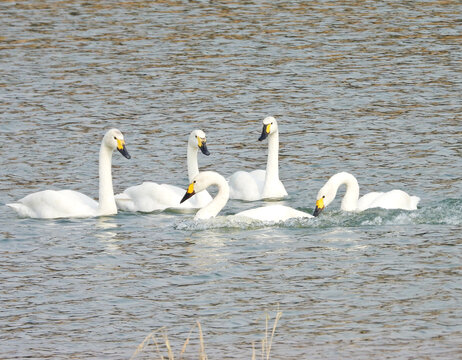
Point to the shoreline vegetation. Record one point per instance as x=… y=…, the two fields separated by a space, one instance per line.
x=157 y=341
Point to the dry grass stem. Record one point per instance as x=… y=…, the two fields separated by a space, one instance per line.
x=169 y=348
x=278 y=316
x=183 y=349
x=145 y=342
x=202 y=354
x=266 y=342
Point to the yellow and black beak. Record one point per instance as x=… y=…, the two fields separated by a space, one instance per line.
x=319 y=206
x=189 y=193
x=122 y=149
x=265 y=132
x=203 y=146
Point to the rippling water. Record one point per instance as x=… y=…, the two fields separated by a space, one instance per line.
x=368 y=87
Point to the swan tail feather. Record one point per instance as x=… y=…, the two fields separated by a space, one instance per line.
x=414 y=201
x=20 y=209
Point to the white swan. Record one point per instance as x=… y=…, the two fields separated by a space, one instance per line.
x=266 y=213
x=50 y=204
x=394 y=199
x=150 y=196
x=261 y=184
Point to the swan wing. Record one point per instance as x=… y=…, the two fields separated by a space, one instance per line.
x=145 y=197
x=150 y=196
x=273 y=213
x=365 y=201
x=51 y=204
x=274 y=189
x=259 y=177
x=394 y=199
x=247 y=186
x=124 y=201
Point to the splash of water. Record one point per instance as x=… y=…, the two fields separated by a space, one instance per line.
x=447 y=212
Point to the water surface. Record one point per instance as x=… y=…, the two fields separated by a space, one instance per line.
x=372 y=88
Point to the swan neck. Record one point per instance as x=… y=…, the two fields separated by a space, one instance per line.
x=272 y=165
x=193 y=167
x=107 y=204
x=350 y=199
x=218 y=202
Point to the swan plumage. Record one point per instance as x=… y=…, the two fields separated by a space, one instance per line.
x=151 y=196
x=261 y=184
x=266 y=213
x=394 y=199
x=50 y=204
x=273 y=213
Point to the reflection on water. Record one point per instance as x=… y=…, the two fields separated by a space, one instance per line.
x=206 y=250
x=372 y=88
x=107 y=236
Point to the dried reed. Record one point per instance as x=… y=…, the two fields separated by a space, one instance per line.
x=266 y=342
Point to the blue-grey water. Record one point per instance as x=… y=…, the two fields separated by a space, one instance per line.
x=369 y=87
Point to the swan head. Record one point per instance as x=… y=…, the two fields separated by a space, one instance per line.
x=202 y=181
x=197 y=139
x=199 y=183
x=114 y=139
x=328 y=192
x=190 y=192
x=319 y=206
x=270 y=126
x=325 y=196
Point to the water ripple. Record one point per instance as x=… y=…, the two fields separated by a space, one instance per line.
x=372 y=88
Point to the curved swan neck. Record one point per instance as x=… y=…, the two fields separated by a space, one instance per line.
x=193 y=167
x=350 y=199
x=272 y=165
x=107 y=204
x=219 y=201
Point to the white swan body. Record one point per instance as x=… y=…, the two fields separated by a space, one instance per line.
x=151 y=196
x=50 y=204
x=273 y=213
x=266 y=213
x=261 y=184
x=394 y=199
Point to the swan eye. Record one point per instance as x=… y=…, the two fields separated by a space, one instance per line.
x=115 y=138
x=194 y=181
x=324 y=196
